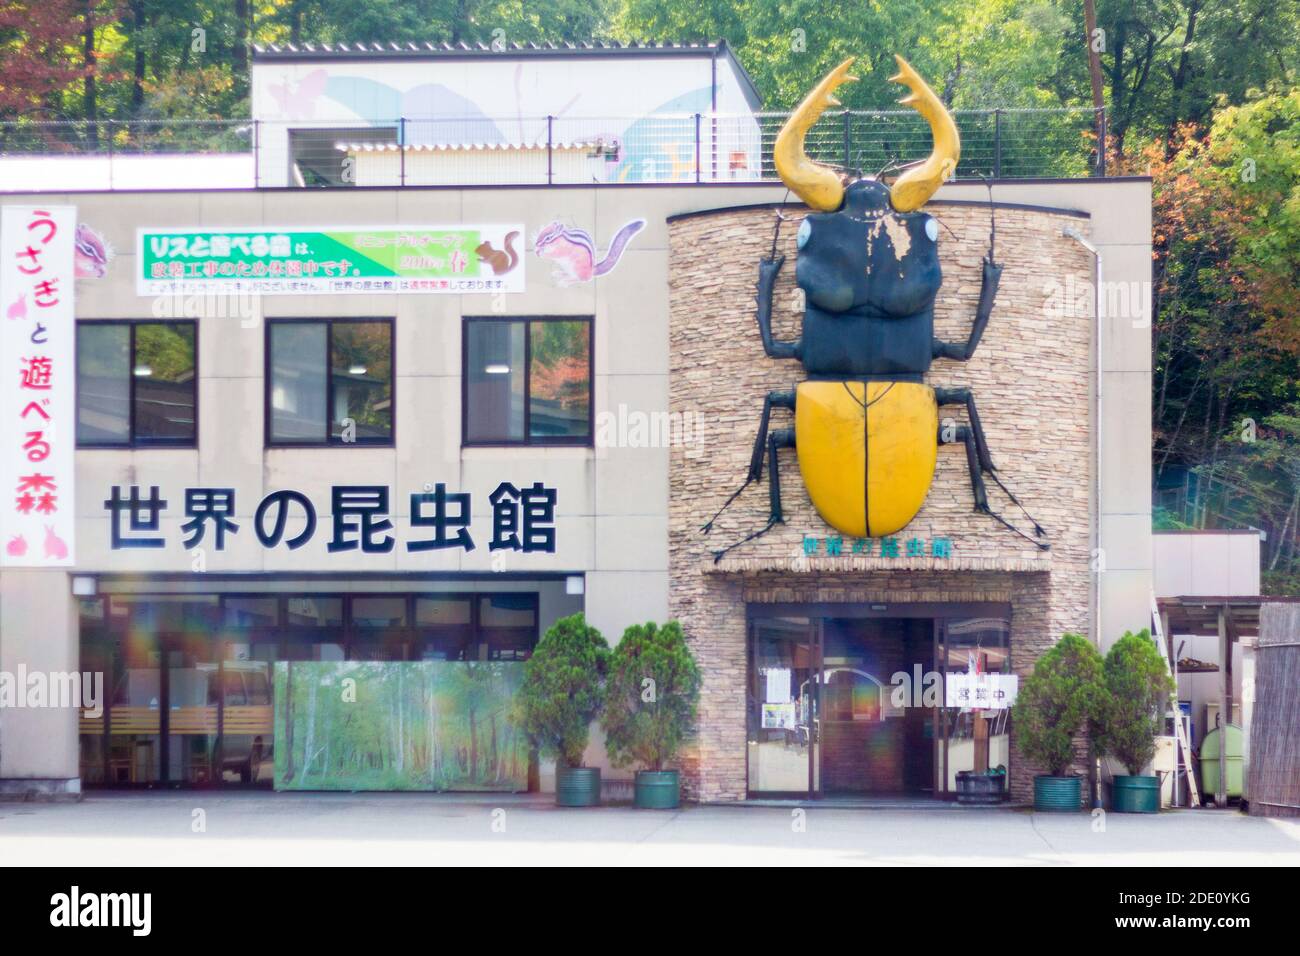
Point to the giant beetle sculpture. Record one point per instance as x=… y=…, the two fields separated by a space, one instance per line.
x=866 y=425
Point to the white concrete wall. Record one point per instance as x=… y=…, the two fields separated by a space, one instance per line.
x=1206 y=563
x=38 y=635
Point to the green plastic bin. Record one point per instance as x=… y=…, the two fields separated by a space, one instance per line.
x=1210 y=762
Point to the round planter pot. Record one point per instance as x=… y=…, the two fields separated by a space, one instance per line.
x=658 y=790
x=577 y=786
x=1057 y=794
x=1135 y=795
x=980 y=789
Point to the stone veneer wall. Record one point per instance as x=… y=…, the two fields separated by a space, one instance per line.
x=1031 y=381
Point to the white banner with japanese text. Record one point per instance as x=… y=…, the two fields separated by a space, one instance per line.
x=37 y=386
x=981 y=691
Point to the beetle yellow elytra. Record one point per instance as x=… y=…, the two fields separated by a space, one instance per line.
x=866 y=452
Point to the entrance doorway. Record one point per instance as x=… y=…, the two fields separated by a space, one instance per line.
x=870 y=743
x=850 y=700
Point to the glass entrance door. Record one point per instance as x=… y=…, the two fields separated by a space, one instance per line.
x=874 y=728
x=782 y=705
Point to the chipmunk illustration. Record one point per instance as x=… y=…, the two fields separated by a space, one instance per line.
x=574 y=252
x=500 y=261
x=93 y=253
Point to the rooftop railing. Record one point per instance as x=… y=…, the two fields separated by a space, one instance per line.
x=537 y=150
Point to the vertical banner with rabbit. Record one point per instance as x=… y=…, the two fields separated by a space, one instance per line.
x=37 y=385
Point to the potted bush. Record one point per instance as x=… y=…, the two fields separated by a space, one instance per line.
x=560 y=695
x=653 y=690
x=1137 y=684
x=1059 y=698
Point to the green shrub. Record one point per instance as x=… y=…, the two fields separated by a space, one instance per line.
x=562 y=691
x=1061 y=696
x=1137 y=683
x=654 y=687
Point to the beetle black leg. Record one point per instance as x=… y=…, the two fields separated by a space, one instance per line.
x=770 y=401
x=963 y=396
x=781 y=438
x=967 y=436
x=988 y=292
x=767 y=271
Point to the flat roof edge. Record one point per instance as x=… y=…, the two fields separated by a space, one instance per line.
x=996 y=204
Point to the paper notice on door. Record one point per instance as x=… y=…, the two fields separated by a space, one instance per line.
x=778 y=685
x=779 y=716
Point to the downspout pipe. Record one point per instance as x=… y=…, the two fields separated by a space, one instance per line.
x=1094 y=769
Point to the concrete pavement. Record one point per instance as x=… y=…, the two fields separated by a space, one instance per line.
x=202 y=828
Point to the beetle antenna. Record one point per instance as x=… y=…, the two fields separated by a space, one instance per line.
x=780 y=218
x=993 y=219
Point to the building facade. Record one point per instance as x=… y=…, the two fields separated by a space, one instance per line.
x=277 y=465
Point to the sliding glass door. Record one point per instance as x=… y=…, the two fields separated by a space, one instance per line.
x=782 y=705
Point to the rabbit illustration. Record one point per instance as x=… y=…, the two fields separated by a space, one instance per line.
x=55 y=547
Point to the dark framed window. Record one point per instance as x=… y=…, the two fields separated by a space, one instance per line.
x=137 y=383
x=527 y=381
x=329 y=382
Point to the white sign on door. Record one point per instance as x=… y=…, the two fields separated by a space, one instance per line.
x=37 y=386
x=981 y=691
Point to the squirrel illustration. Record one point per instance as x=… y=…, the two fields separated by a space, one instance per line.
x=500 y=261
x=574 y=252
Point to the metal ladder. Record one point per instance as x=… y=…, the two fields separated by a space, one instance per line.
x=1180 y=732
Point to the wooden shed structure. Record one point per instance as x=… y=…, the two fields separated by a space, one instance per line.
x=1273 y=771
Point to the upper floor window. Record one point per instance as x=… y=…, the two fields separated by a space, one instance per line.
x=136 y=384
x=329 y=382
x=527 y=381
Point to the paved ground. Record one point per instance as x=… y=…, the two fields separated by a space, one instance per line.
x=247 y=829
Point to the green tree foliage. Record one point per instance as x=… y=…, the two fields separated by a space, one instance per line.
x=989 y=54
x=433 y=725
x=563 y=689
x=1061 y=697
x=1226 y=339
x=652 y=694
x=1137 y=684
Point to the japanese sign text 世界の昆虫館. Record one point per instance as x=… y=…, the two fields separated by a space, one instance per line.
x=523 y=519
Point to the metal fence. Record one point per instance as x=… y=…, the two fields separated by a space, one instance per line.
x=555 y=150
